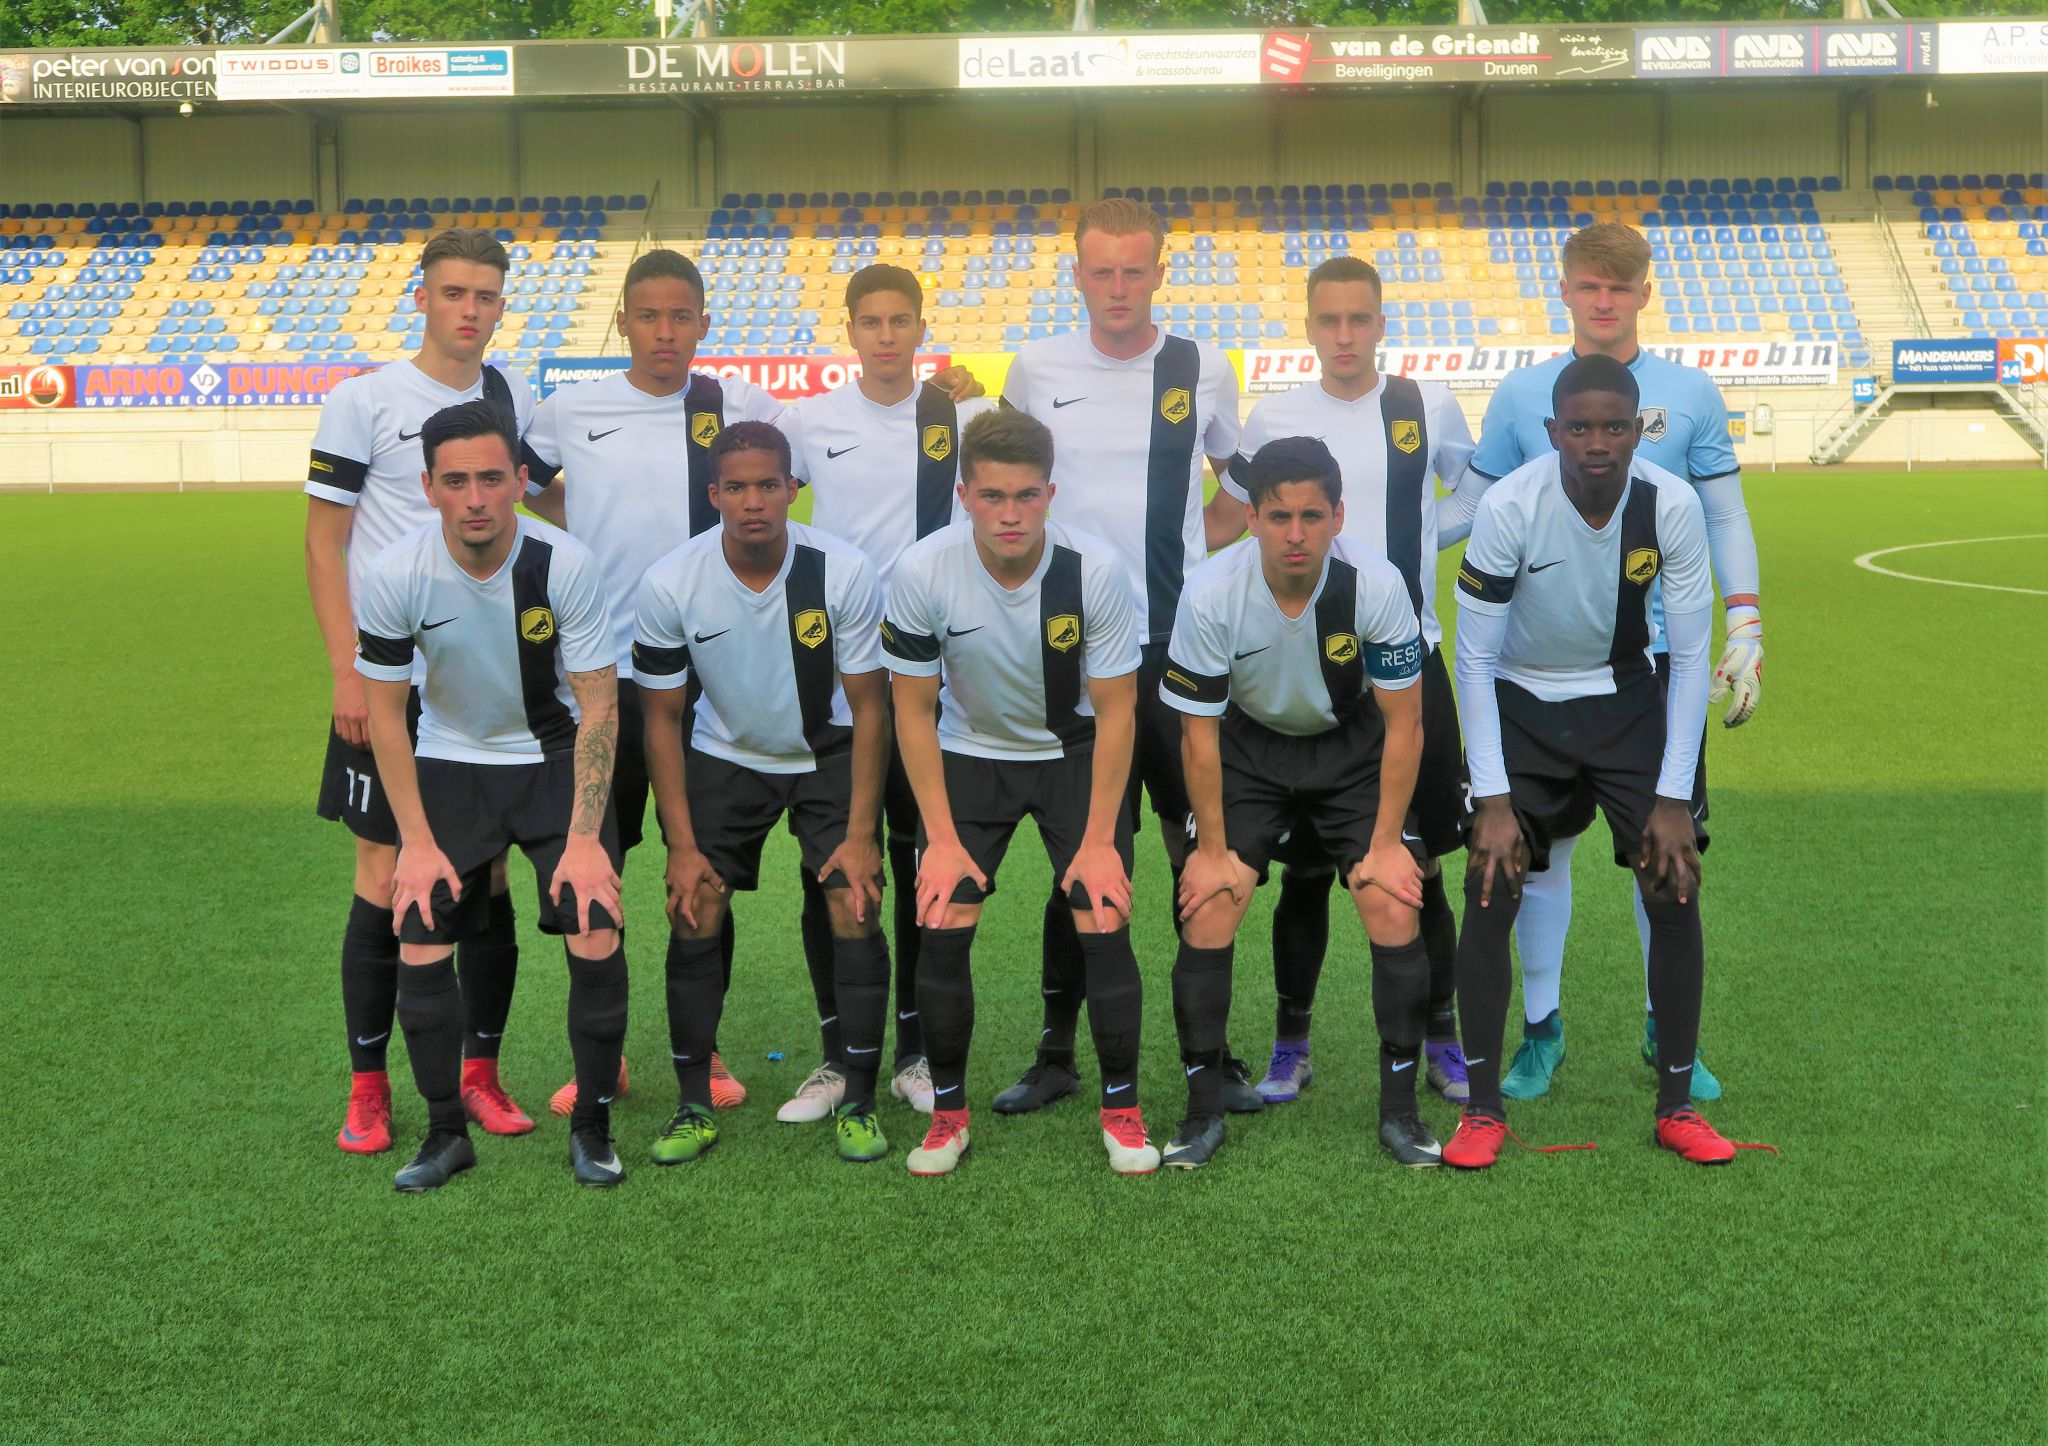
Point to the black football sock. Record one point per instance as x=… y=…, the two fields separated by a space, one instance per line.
x=727 y=946
x=488 y=969
x=860 y=977
x=597 y=1033
x=903 y=875
x=1301 y=937
x=945 y=1001
x=696 y=998
x=1440 y=939
x=369 y=984
x=430 y=1013
x=1400 y=1006
x=1677 y=970
x=1063 y=981
x=1201 y=1015
x=1485 y=979
x=816 y=926
x=1115 y=1014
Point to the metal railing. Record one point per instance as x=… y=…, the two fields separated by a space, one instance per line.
x=1895 y=261
x=639 y=244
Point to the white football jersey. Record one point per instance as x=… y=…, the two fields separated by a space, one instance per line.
x=769 y=661
x=1128 y=442
x=1389 y=444
x=366 y=451
x=1578 y=600
x=881 y=477
x=1232 y=645
x=635 y=469
x=497 y=650
x=1014 y=663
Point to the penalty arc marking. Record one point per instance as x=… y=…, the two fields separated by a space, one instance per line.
x=1868 y=562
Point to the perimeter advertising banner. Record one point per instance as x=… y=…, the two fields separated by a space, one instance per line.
x=1994 y=47
x=1962 y=359
x=105 y=77
x=203 y=384
x=738 y=67
x=354 y=72
x=1477 y=368
x=1427 y=54
x=788 y=378
x=2023 y=360
x=1755 y=51
x=36 y=388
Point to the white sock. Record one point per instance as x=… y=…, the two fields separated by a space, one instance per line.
x=1643 y=932
x=1540 y=928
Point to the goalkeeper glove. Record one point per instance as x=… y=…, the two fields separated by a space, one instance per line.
x=1741 y=669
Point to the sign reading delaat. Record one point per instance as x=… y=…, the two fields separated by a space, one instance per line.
x=1086 y=59
x=362 y=72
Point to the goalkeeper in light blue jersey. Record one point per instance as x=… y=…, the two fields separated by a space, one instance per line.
x=1605 y=286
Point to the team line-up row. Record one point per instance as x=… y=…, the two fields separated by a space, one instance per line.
x=1001 y=612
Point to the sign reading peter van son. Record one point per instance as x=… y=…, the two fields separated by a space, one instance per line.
x=826 y=65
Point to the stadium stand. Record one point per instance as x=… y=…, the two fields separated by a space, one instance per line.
x=1987 y=238
x=1737 y=257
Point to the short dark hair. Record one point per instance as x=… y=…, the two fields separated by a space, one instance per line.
x=1344 y=268
x=474 y=418
x=662 y=263
x=465 y=243
x=751 y=437
x=1596 y=373
x=884 y=277
x=1006 y=436
x=1293 y=459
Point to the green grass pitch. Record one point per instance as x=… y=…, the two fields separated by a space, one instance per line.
x=185 y=1256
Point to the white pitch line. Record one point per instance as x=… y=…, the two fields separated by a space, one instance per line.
x=1867 y=564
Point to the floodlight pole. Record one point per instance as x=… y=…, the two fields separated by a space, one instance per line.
x=325 y=21
x=698 y=17
x=1084 y=14
x=1471 y=12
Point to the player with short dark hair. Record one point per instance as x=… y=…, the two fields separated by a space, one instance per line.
x=1563 y=711
x=1394 y=439
x=623 y=463
x=779 y=623
x=1294 y=664
x=1605 y=286
x=1133 y=410
x=517 y=729
x=1015 y=656
x=362 y=493
x=881 y=456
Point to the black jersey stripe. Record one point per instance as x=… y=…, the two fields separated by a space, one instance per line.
x=1402 y=406
x=1177 y=368
x=1184 y=682
x=1484 y=586
x=384 y=652
x=331 y=469
x=938 y=457
x=549 y=718
x=704 y=397
x=650 y=661
x=810 y=651
x=1337 y=645
x=900 y=642
x=498 y=392
x=1628 y=656
x=539 y=471
x=1062 y=624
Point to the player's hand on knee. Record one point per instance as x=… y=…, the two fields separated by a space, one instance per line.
x=1670 y=862
x=1739 y=675
x=1392 y=868
x=940 y=868
x=689 y=872
x=959 y=383
x=351 y=710
x=1099 y=869
x=420 y=867
x=586 y=870
x=860 y=859
x=1207 y=875
x=1496 y=850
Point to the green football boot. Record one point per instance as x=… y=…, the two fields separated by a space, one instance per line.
x=1536 y=1060
x=860 y=1134
x=1705 y=1088
x=689 y=1133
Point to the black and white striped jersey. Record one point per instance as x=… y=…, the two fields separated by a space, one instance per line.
x=770 y=661
x=1128 y=442
x=1232 y=645
x=497 y=650
x=881 y=477
x=636 y=471
x=366 y=450
x=1014 y=663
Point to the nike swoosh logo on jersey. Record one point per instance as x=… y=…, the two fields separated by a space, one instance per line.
x=829 y=453
x=429 y=627
x=405 y=436
x=707 y=637
x=1538 y=567
x=1240 y=657
x=953 y=632
x=600 y=436
x=1057 y=403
